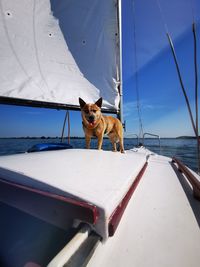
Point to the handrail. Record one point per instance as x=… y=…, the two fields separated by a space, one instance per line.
x=155 y=135
x=67 y=252
x=190 y=177
x=134 y=135
x=137 y=138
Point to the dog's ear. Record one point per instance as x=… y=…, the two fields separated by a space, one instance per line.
x=81 y=102
x=99 y=102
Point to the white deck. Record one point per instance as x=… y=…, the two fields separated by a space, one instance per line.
x=98 y=177
x=158 y=227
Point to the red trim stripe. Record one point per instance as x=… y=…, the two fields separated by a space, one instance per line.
x=88 y=211
x=191 y=178
x=118 y=212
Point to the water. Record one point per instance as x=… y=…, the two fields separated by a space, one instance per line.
x=184 y=149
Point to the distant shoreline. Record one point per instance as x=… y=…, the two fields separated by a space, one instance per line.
x=41 y=137
x=186 y=137
x=81 y=137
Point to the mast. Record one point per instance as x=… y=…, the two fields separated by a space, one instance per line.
x=120 y=61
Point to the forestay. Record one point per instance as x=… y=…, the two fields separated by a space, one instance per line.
x=56 y=51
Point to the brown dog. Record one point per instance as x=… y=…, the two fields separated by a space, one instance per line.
x=95 y=124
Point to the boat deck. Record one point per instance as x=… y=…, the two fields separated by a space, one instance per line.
x=159 y=226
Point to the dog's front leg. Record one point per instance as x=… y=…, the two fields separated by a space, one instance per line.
x=100 y=141
x=87 y=141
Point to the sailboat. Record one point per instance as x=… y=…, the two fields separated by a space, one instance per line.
x=79 y=207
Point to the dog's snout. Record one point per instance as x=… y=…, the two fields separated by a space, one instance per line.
x=91 y=118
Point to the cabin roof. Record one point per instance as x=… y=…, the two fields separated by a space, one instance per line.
x=101 y=178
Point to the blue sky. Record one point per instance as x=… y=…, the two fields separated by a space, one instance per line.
x=162 y=104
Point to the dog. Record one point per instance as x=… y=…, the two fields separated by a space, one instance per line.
x=95 y=124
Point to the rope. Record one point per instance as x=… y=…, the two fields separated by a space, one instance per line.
x=136 y=76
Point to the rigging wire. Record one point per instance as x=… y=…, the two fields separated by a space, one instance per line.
x=141 y=132
x=181 y=82
x=67 y=118
x=192 y=10
x=162 y=16
x=196 y=91
x=196 y=73
x=194 y=124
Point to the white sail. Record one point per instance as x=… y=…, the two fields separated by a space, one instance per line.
x=58 y=51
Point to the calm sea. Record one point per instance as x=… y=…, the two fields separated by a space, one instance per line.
x=184 y=149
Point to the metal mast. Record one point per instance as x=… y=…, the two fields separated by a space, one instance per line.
x=120 y=61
